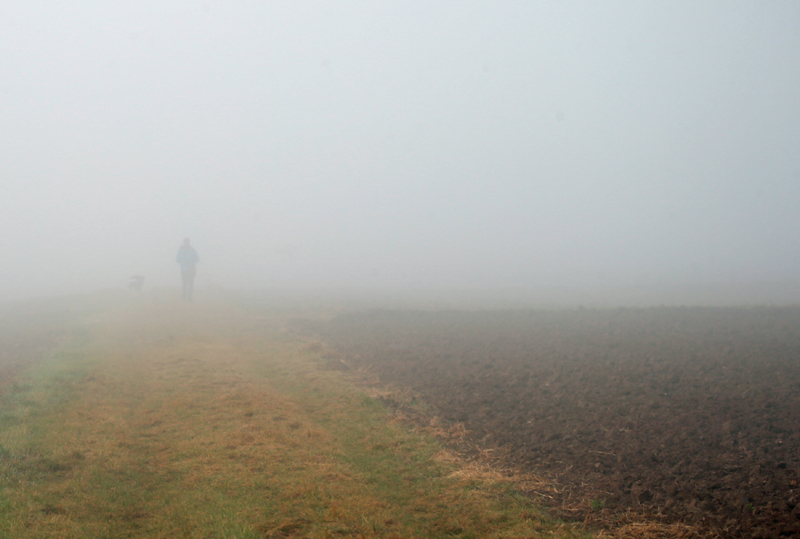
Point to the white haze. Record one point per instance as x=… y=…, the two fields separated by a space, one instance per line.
x=471 y=145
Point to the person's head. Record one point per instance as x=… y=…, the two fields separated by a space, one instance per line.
x=186 y=242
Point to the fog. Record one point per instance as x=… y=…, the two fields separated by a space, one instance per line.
x=397 y=145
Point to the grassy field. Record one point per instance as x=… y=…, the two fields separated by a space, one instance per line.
x=150 y=418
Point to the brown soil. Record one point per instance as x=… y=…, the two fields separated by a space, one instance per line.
x=681 y=415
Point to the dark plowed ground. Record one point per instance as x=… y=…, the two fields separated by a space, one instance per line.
x=690 y=415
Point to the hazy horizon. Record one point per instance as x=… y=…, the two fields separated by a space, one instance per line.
x=483 y=147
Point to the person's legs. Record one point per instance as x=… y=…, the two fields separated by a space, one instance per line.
x=185 y=281
x=188 y=284
x=190 y=291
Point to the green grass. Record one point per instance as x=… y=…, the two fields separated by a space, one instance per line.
x=206 y=421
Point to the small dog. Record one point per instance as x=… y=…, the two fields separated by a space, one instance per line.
x=136 y=283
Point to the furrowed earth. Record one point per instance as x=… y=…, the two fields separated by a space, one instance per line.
x=689 y=416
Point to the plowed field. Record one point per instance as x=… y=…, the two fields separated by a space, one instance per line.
x=687 y=415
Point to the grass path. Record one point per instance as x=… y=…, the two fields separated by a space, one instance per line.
x=207 y=421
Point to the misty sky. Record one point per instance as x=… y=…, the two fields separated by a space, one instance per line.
x=398 y=144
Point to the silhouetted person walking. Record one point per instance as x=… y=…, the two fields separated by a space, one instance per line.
x=188 y=259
